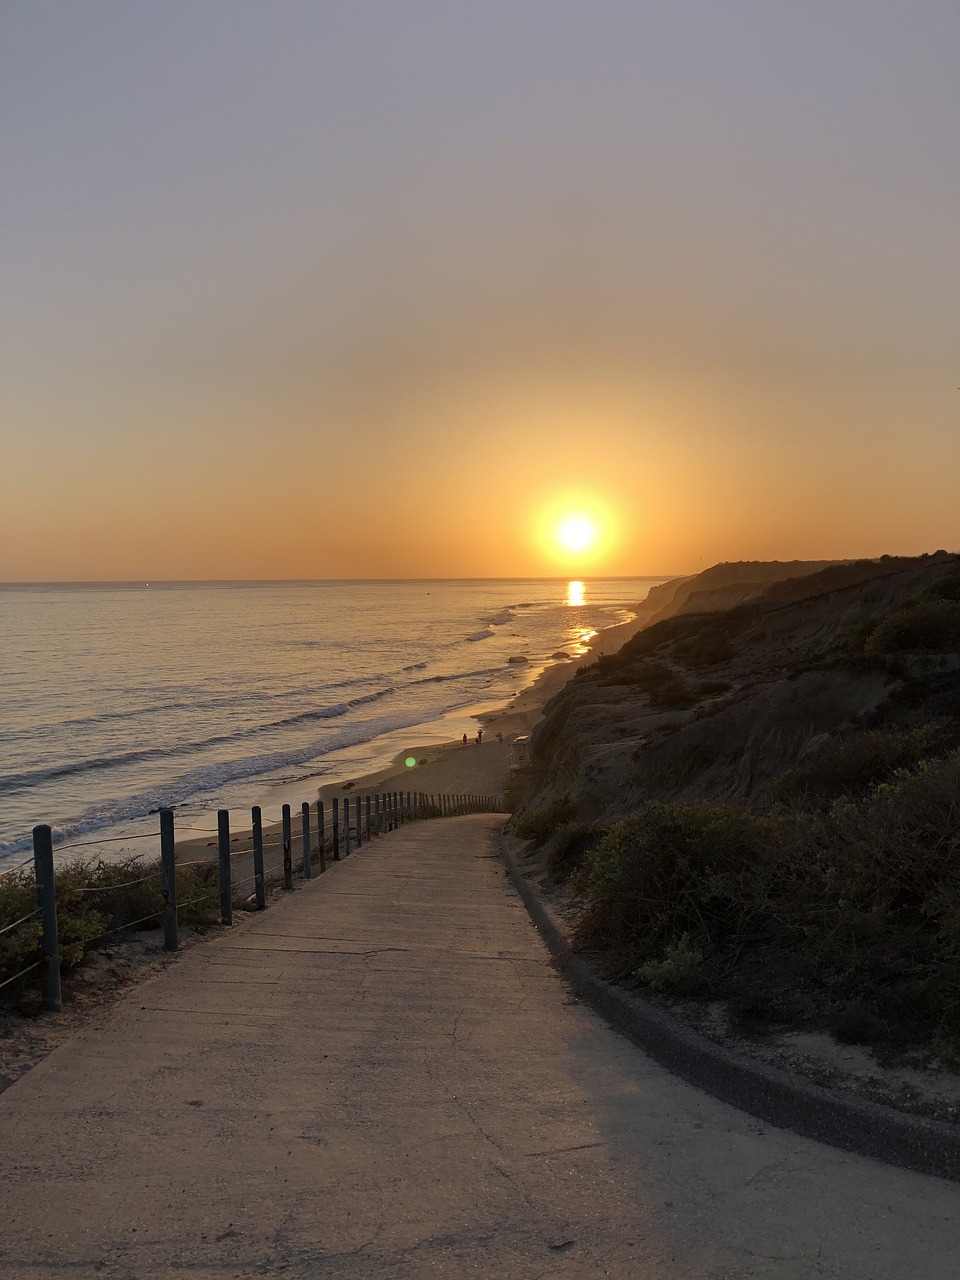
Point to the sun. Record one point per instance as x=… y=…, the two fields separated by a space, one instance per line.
x=575 y=530
x=576 y=533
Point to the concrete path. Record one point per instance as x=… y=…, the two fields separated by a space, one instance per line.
x=382 y=1076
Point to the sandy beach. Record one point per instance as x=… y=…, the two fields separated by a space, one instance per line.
x=481 y=769
x=441 y=768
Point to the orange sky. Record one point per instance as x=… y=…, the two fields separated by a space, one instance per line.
x=293 y=294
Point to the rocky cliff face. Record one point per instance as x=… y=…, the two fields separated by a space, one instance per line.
x=722 y=586
x=717 y=703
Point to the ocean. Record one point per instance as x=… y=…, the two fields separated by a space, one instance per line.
x=120 y=698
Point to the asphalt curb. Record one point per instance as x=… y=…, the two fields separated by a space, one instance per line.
x=772 y=1095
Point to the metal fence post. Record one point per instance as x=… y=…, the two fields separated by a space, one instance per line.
x=367 y=807
x=168 y=879
x=356 y=805
x=305 y=840
x=226 y=888
x=321 y=836
x=47 y=902
x=336 y=829
x=346 y=825
x=259 y=885
x=287 y=857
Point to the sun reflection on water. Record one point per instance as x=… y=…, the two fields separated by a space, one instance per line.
x=576 y=594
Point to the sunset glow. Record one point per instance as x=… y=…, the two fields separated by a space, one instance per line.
x=577 y=533
x=478 y=329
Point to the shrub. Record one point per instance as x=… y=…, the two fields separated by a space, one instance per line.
x=18 y=947
x=875 y=897
x=709 y=649
x=517 y=788
x=669 y=870
x=921 y=623
x=851 y=912
x=95 y=898
x=675 y=692
x=678 y=963
x=851 y=764
x=540 y=824
x=571 y=843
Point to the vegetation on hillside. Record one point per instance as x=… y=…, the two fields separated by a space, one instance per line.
x=829 y=898
x=94 y=900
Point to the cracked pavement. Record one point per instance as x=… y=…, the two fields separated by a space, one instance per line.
x=383 y=1076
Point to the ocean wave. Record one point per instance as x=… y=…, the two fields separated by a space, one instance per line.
x=238 y=699
x=14 y=782
x=196 y=783
x=416 y=666
x=459 y=675
x=481 y=635
x=499 y=619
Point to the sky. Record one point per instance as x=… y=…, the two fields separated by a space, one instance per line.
x=298 y=289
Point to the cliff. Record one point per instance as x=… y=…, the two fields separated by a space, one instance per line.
x=742 y=672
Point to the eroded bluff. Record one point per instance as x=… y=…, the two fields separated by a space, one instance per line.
x=717 y=704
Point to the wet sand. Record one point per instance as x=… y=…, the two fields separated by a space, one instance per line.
x=444 y=768
x=483 y=769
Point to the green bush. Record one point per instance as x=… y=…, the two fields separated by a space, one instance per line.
x=858 y=760
x=18 y=947
x=669 y=870
x=571 y=843
x=675 y=692
x=854 y=905
x=708 y=649
x=922 y=623
x=540 y=824
x=678 y=963
x=95 y=898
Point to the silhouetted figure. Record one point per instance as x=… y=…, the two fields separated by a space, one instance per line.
x=499 y=736
x=464 y=739
x=479 y=736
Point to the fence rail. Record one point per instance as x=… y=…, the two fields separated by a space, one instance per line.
x=357 y=819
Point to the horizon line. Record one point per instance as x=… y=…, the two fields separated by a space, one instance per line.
x=143 y=582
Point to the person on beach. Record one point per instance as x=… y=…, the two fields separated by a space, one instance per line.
x=499 y=736
x=464 y=739
x=479 y=736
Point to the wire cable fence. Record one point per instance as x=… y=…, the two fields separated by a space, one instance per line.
x=42 y=936
x=9 y=871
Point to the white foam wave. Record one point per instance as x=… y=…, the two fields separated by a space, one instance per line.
x=200 y=786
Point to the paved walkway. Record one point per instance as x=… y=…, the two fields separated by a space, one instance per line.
x=382 y=1076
